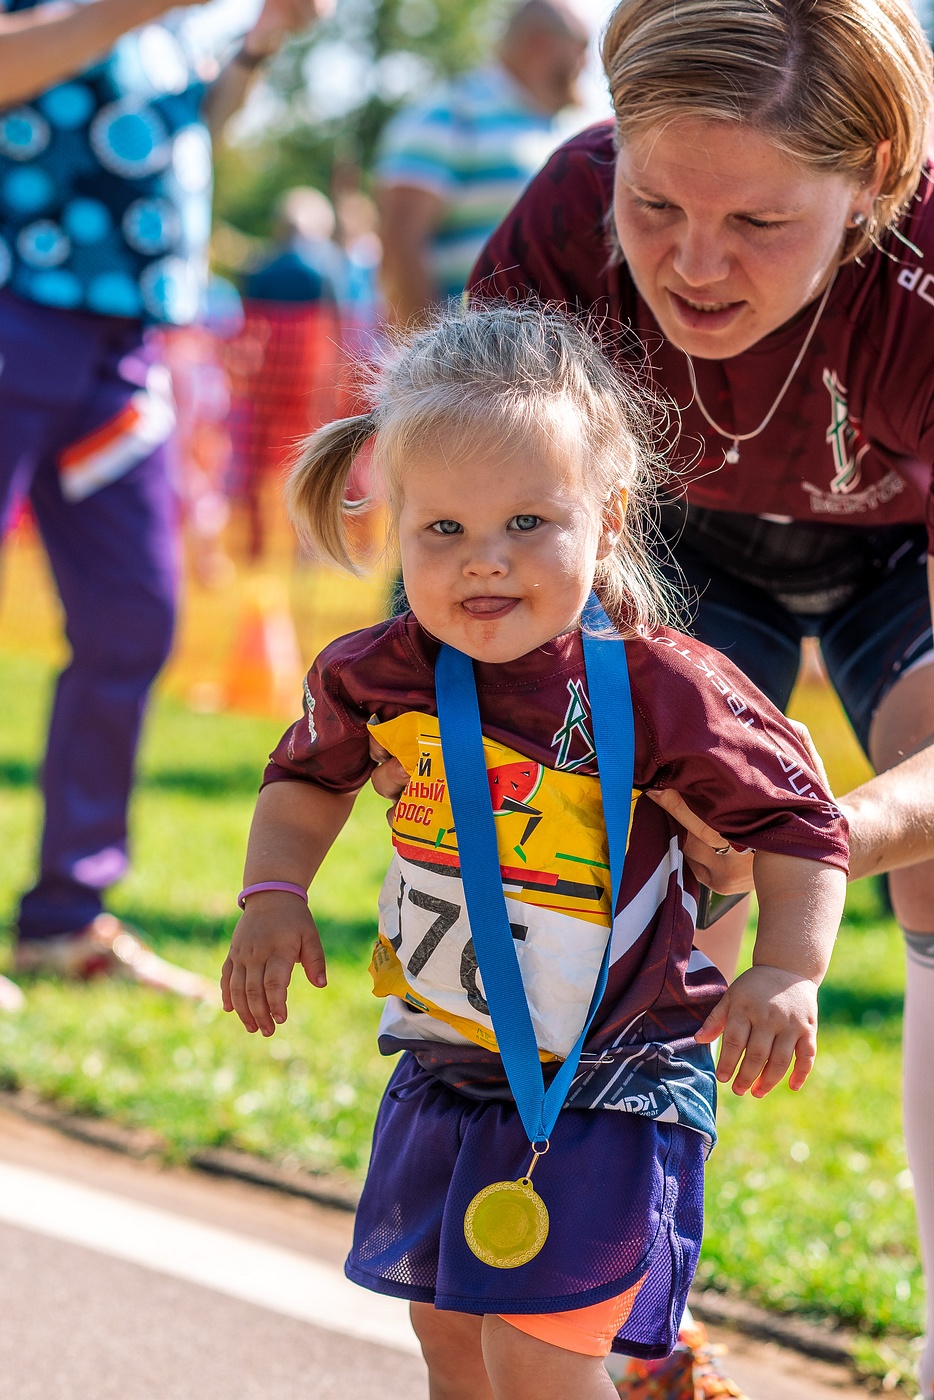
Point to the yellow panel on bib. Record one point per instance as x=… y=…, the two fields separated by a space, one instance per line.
x=549 y=824
x=553 y=859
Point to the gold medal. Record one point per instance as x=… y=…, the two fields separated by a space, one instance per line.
x=506 y=1223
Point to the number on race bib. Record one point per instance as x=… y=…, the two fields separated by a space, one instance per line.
x=469 y=974
x=447 y=913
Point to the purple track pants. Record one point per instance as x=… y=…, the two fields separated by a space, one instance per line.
x=63 y=375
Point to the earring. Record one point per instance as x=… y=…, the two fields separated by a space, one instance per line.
x=858 y=220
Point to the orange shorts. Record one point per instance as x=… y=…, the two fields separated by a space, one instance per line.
x=589 y=1331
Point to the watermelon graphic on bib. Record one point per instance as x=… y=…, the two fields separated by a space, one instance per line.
x=514 y=783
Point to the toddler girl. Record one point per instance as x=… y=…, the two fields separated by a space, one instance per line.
x=517 y=465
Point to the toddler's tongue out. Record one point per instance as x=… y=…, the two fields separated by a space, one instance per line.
x=488 y=607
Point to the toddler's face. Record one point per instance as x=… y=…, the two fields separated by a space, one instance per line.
x=498 y=547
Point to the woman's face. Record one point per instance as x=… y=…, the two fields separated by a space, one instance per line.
x=727 y=237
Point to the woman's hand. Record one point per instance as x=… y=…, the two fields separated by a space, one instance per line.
x=280 y=18
x=817 y=763
x=275 y=932
x=390 y=779
x=712 y=859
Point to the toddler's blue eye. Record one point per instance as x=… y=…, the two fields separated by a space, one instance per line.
x=446 y=527
x=526 y=522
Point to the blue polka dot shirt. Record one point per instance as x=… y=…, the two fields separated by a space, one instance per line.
x=105 y=180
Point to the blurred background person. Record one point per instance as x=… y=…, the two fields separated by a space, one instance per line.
x=358 y=235
x=287 y=363
x=105 y=189
x=304 y=264
x=200 y=448
x=451 y=167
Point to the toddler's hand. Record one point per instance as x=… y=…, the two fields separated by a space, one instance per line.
x=275 y=932
x=769 y=1017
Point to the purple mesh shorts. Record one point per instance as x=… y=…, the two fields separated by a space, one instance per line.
x=624 y=1197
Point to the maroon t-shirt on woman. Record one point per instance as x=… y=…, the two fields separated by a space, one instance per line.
x=853 y=441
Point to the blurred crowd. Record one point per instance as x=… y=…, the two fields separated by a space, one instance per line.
x=273 y=358
x=277 y=352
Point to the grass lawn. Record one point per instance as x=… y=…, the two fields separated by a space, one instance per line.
x=809 y=1199
x=193 y=1074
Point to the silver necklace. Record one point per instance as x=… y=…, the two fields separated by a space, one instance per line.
x=732 y=453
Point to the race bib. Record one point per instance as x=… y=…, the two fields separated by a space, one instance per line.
x=556 y=880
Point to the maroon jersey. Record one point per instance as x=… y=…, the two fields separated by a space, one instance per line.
x=853 y=442
x=700 y=728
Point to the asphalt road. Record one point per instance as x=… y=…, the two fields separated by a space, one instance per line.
x=121 y=1280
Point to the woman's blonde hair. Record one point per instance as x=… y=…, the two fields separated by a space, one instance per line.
x=498 y=373
x=826 y=80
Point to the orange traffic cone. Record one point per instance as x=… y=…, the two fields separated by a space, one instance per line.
x=264 y=670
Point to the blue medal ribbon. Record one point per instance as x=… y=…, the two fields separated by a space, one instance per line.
x=472 y=807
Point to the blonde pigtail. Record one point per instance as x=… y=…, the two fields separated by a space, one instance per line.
x=316 y=488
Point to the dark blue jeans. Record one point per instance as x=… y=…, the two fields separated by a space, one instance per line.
x=114 y=558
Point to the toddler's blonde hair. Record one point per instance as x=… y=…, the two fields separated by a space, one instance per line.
x=497 y=373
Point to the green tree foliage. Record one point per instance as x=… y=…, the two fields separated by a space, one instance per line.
x=249 y=177
x=390 y=51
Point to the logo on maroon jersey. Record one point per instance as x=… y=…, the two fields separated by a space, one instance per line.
x=574 y=726
x=846 y=439
x=915 y=279
x=310 y=711
x=849 y=446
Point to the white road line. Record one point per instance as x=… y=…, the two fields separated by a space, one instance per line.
x=279 y=1279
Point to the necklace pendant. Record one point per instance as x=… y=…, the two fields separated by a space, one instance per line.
x=732 y=455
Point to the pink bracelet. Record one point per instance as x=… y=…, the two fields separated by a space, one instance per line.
x=271 y=885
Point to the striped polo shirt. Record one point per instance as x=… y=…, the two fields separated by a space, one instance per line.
x=475 y=142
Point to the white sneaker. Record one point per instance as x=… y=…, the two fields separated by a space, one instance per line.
x=11 y=998
x=106 y=947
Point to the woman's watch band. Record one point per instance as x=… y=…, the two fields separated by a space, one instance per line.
x=249 y=60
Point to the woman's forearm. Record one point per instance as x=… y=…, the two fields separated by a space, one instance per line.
x=42 y=46
x=891 y=817
x=226 y=94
